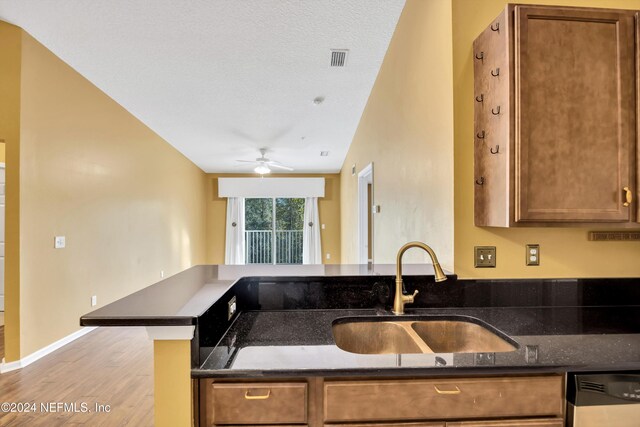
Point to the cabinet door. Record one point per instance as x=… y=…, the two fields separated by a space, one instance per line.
x=575 y=114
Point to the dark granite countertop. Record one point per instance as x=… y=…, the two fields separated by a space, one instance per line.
x=550 y=339
x=283 y=326
x=180 y=299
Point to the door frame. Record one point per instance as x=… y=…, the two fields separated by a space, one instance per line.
x=2 y=295
x=365 y=177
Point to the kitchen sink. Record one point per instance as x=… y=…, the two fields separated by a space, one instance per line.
x=425 y=334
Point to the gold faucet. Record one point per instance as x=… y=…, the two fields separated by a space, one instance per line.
x=400 y=299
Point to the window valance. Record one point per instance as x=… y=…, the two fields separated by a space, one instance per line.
x=271 y=187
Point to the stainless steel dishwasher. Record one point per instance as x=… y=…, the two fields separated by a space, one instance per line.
x=603 y=400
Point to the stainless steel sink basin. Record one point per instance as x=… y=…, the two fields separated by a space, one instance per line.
x=432 y=334
x=451 y=336
x=377 y=338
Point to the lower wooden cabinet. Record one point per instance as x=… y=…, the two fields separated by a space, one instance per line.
x=517 y=401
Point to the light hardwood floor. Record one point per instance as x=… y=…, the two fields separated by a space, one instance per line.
x=112 y=366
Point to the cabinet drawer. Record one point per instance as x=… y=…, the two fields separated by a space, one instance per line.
x=540 y=422
x=395 y=400
x=259 y=403
x=423 y=424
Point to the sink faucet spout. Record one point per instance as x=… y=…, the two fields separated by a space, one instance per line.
x=400 y=299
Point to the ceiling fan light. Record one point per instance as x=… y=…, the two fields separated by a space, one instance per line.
x=262 y=169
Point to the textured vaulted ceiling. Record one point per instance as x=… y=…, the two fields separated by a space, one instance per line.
x=219 y=79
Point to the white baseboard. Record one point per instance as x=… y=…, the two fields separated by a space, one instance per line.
x=28 y=360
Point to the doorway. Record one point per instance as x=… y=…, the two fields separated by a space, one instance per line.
x=365 y=215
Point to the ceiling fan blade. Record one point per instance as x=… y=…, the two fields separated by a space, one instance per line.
x=287 y=168
x=246 y=161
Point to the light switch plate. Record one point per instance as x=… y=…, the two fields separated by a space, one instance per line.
x=485 y=257
x=533 y=254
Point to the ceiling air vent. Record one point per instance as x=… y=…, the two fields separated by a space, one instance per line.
x=592 y=386
x=338 y=57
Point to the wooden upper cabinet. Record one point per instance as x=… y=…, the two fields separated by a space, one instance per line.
x=566 y=127
x=575 y=124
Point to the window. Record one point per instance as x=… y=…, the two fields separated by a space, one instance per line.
x=273 y=226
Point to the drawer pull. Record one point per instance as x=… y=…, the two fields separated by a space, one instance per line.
x=628 y=196
x=261 y=397
x=456 y=391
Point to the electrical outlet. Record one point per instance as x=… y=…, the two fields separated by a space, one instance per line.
x=161 y=274
x=533 y=254
x=531 y=353
x=328 y=255
x=94 y=300
x=232 y=308
x=484 y=359
x=59 y=242
x=485 y=257
x=322 y=226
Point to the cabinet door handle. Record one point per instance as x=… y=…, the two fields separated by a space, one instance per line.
x=259 y=397
x=456 y=391
x=628 y=196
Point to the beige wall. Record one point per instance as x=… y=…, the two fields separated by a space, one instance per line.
x=128 y=203
x=10 y=48
x=564 y=252
x=406 y=130
x=328 y=211
x=2 y=152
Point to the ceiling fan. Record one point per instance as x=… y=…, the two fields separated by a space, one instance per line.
x=264 y=165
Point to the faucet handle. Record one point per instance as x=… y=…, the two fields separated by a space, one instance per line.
x=409 y=298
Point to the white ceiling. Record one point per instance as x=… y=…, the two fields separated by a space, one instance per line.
x=219 y=79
